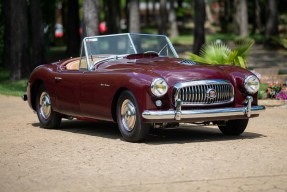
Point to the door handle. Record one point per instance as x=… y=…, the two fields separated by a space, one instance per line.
x=57 y=79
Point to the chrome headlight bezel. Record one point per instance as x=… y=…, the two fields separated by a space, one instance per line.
x=252 y=84
x=159 y=87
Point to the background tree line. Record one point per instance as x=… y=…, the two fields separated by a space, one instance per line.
x=27 y=26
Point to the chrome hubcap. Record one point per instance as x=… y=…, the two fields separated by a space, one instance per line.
x=128 y=115
x=45 y=105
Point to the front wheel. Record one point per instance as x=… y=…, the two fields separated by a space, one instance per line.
x=234 y=127
x=48 y=118
x=129 y=120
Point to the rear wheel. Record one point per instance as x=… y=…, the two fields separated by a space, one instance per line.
x=129 y=120
x=48 y=118
x=234 y=127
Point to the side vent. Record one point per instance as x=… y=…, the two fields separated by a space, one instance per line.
x=187 y=62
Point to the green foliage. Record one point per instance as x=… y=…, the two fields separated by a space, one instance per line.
x=262 y=93
x=216 y=53
x=219 y=53
x=272 y=91
x=281 y=40
x=8 y=87
x=183 y=40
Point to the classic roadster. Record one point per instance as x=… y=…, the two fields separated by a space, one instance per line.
x=138 y=81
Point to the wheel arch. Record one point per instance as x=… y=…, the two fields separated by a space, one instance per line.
x=115 y=100
x=34 y=89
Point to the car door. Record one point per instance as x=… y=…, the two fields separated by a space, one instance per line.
x=68 y=84
x=96 y=95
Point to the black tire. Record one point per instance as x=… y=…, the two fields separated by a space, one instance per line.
x=234 y=127
x=48 y=118
x=129 y=119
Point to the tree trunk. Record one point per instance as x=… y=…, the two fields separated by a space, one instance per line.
x=134 y=16
x=179 y=3
x=16 y=38
x=199 y=32
x=7 y=28
x=257 y=24
x=271 y=23
x=241 y=17
x=91 y=17
x=113 y=17
x=162 y=19
x=154 y=11
x=172 y=20
x=1 y=35
x=38 y=40
x=147 y=16
x=226 y=15
x=72 y=28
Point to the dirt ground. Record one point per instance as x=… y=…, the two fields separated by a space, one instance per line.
x=83 y=156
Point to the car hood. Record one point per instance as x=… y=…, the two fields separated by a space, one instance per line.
x=173 y=70
x=179 y=70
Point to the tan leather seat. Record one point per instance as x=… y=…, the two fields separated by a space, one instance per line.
x=73 y=65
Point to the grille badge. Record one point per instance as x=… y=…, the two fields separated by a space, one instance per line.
x=211 y=94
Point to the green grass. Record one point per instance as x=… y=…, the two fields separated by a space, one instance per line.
x=188 y=39
x=8 y=87
x=182 y=40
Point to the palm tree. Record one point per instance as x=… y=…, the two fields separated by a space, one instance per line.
x=219 y=53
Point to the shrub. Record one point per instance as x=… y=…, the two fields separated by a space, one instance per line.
x=219 y=53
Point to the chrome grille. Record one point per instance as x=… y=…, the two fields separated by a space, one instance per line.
x=204 y=92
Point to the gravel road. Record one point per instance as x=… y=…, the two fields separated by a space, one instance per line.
x=84 y=156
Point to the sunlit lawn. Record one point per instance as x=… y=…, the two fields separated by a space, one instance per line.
x=8 y=87
x=188 y=39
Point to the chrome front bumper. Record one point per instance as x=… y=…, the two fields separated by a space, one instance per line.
x=179 y=114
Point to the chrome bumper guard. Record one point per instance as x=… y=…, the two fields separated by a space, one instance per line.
x=179 y=114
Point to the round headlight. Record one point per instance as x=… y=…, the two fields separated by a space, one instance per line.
x=252 y=84
x=159 y=87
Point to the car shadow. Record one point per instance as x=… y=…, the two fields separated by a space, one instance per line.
x=194 y=133
x=183 y=134
x=98 y=129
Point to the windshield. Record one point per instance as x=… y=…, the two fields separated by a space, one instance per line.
x=107 y=47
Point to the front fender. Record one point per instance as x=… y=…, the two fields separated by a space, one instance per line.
x=43 y=74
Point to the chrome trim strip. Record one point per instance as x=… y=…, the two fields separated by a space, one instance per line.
x=89 y=66
x=201 y=82
x=131 y=40
x=171 y=47
x=202 y=113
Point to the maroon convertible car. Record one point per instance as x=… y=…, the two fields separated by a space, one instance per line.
x=138 y=81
